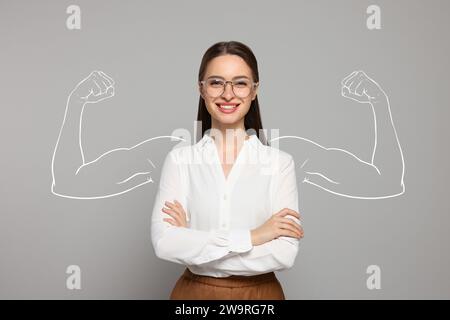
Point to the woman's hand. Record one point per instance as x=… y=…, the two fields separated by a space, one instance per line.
x=278 y=225
x=176 y=212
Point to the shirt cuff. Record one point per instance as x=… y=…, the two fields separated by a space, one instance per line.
x=240 y=240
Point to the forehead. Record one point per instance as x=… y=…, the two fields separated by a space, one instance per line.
x=228 y=66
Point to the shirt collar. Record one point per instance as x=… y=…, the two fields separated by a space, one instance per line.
x=206 y=140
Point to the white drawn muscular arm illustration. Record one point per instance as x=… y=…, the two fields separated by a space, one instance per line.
x=112 y=173
x=339 y=171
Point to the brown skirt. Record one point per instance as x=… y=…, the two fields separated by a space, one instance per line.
x=191 y=286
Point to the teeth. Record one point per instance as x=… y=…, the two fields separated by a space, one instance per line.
x=227 y=106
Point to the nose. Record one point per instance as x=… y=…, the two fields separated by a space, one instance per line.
x=228 y=91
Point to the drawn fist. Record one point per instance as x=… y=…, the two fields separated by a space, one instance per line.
x=94 y=88
x=359 y=87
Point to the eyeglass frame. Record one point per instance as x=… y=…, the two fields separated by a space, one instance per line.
x=254 y=85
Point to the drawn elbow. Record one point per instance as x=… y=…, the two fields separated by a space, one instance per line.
x=58 y=189
x=66 y=189
x=393 y=186
x=398 y=189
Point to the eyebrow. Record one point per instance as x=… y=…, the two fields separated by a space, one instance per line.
x=237 y=77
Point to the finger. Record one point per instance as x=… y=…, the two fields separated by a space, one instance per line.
x=178 y=204
x=105 y=80
x=290 y=217
x=347 y=77
x=346 y=93
x=107 y=77
x=292 y=234
x=171 y=221
x=171 y=205
x=182 y=210
x=294 y=224
x=364 y=74
x=287 y=211
x=99 y=82
x=96 y=90
x=100 y=97
x=110 y=92
x=288 y=233
x=352 y=79
x=292 y=213
x=356 y=83
x=173 y=214
x=178 y=210
x=175 y=217
x=288 y=226
x=359 y=90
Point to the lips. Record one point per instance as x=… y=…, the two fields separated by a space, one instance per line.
x=227 y=107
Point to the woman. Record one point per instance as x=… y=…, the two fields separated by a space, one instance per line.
x=227 y=207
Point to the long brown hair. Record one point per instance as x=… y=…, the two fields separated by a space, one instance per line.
x=252 y=119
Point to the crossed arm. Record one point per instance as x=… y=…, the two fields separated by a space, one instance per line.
x=230 y=251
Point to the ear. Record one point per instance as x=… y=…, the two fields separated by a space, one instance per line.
x=200 y=90
x=255 y=91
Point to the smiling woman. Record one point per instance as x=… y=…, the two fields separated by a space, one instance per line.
x=236 y=62
x=231 y=221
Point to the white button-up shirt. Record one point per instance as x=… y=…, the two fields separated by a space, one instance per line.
x=221 y=210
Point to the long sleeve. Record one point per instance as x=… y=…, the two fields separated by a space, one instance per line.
x=184 y=245
x=279 y=253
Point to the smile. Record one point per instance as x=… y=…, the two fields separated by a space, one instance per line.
x=227 y=108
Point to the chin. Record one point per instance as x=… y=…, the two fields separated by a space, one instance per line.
x=228 y=120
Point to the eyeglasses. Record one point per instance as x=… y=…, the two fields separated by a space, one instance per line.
x=215 y=87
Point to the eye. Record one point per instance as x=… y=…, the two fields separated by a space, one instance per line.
x=215 y=82
x=242 y=83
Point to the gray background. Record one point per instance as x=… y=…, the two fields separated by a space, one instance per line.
x=304 y=49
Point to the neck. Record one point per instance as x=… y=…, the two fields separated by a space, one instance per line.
x=228 y=135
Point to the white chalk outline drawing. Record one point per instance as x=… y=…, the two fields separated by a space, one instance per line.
x=356 y=86
x=100 y=87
